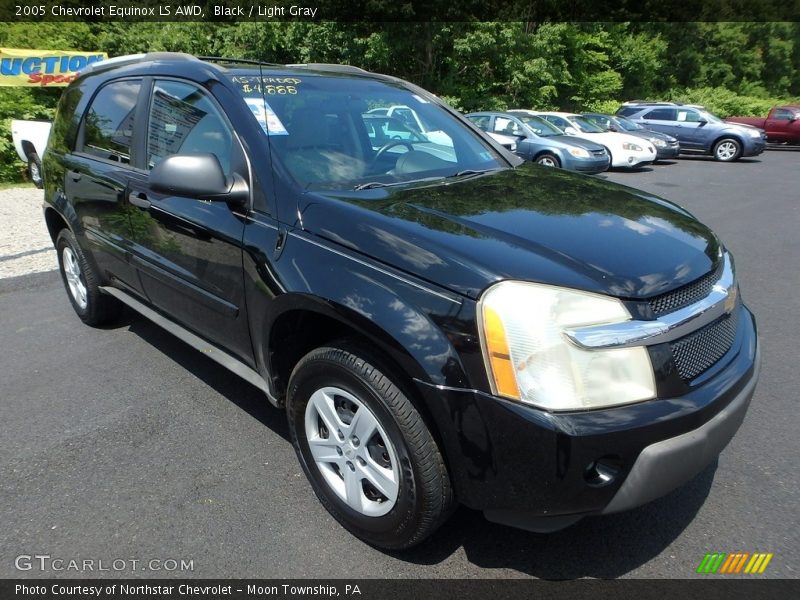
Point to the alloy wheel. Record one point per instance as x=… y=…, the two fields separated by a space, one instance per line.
x=352 y=451
x=75 y=282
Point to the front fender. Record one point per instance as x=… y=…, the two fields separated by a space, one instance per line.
x=429 y=332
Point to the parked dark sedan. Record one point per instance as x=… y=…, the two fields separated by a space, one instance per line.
x=666 y=145
x=544 y=143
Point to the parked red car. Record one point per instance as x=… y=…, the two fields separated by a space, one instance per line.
x=781 y=125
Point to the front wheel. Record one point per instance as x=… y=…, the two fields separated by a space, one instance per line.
x=548 y=160
x=365 y=448
x=35 y=169
x=727 y=150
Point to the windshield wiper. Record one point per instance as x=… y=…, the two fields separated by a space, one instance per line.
x=380 y=184
x=471 y=172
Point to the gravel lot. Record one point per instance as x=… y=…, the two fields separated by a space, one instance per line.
x=25 y=245
x=123 y=442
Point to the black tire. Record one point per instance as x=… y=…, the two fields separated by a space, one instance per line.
x=35 y=169
x=425 y=498
x=727 y=150
x=547 y=159
x=95 y=308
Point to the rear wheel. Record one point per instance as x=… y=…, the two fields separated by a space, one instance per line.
x=727 y=150
x=548 y=160
x=81 y=281
x=365 y=448
x=35 y=169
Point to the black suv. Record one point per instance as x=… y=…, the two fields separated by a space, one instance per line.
x=441 y=322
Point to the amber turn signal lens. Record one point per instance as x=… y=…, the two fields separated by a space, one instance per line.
x=499 y=355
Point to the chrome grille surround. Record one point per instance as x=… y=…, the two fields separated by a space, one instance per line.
x=720 y=301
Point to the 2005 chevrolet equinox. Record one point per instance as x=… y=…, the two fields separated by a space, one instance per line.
x=441 y=322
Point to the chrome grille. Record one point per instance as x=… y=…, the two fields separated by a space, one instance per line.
x=684 y=296
x=600 y=152
x=698 y=351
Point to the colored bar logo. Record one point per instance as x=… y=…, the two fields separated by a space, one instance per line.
x=737 y=562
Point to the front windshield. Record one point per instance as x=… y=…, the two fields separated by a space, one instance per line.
x=540 y=127
x=585 y=125
x=337 y=132
x=628 y=125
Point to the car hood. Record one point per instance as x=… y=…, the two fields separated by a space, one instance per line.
x=568 y=141
x=610 y=137
x=529 y=223
x=742 y=126
x=649 y=133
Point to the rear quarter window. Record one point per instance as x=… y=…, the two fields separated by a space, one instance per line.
x=65 y=125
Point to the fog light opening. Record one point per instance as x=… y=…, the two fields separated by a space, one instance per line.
x=602 y=472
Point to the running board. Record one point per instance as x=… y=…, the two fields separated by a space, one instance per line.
x=223 y=358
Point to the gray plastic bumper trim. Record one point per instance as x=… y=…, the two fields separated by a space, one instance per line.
x=665 y=465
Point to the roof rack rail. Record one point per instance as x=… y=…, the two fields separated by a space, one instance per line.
x=245 y=61
x=135 y=58
x=111 y=62
x=650 y=102
x=330 y=67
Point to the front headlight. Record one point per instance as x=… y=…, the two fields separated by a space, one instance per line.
x=631 y=146
x=754 y=133
x=579 y=152
x=530 y=359
x=658 y=142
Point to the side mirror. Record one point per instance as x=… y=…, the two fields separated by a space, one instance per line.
x=570 y=130
x=612 y=127
x=702 y=122
x=198 y=176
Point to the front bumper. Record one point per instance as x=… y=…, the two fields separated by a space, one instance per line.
x=753 y=146
x=622 y=159
x=586 y=165
x=539 y=470
x=668 y=151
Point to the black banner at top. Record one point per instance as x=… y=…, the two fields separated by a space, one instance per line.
x=534 y=11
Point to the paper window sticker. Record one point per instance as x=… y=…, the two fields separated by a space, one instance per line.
x=266 y=117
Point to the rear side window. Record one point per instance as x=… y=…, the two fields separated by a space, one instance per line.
x=108 y=123
x=481 y=121
x=184 y=120
x=661 y=114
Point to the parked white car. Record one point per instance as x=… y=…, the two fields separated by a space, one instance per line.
x=409 y=116
x=626 y=151
x=30 y=140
